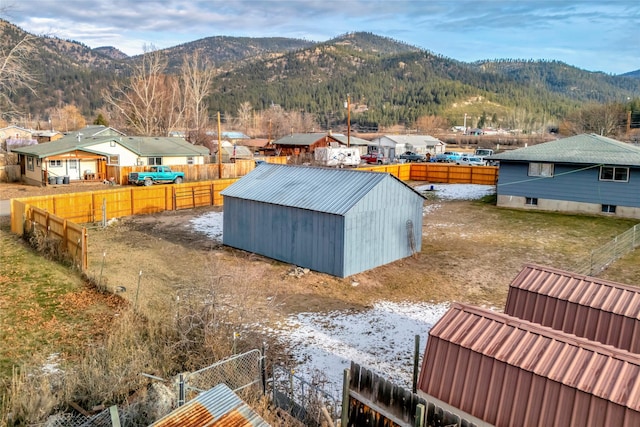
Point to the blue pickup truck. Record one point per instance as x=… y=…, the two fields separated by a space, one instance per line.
x=156 y=175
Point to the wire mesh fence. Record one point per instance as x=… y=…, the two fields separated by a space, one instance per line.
x=101 y=419
x=605 y=255
x=237 y=372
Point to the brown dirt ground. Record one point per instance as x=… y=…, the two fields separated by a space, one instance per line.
x=470 y=253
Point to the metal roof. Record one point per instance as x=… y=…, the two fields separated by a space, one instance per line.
x=417 y=140
x=301 y=138
x=593 y=308
x=219 y=406
x=333 y=191
x=353 y=140
x=577 y=363
x=582 y=149
x=141 y=145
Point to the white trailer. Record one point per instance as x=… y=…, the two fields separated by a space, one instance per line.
x=337 y=156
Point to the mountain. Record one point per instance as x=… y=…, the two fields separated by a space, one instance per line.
x=389 y=81
x=563 y=79
x=633 y=74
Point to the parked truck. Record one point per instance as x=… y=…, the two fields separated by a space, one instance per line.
x=482 y=153
x=156 y=175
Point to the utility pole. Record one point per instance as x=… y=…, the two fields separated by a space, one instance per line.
x=465 y=122
x=219 y=149
x=348 y=106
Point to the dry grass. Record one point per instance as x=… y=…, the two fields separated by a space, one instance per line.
x=194 y=296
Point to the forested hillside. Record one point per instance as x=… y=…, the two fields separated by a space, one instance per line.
x=388 y=81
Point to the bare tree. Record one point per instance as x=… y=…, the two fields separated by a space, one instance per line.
x=602 y=119
x=14 y=73
x=431 y=124
x=197 y=76
x=244 y=116
x=67 y=118
x=152 y=102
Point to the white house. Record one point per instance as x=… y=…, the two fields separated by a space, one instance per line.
x=394 y=145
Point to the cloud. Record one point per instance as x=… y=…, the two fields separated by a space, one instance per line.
x=589 y=34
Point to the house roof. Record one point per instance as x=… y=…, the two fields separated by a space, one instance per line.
x=218 y=406
x=333 y=191
x=416 y=140
x=353 y=140
x=95 y=130
x=583 y=149
x=142 y=146
x=601 y=370
x=300 y=139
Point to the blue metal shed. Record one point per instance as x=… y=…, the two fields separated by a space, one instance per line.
x=335 y=221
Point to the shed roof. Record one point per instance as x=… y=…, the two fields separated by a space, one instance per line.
x=603 y=371
x=582 y=149
x=219 y=406
x=328 y=190
x=593 y=308
x=353 y=140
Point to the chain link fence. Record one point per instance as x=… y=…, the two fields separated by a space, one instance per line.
x=237 y=372
x=604 y=256
x=104 y=418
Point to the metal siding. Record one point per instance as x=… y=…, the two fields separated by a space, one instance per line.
x=570 y=182
x=375 y=228
x=561 y=379
x=589 y=307
x=295 y=236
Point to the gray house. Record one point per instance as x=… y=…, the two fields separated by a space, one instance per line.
x=335 y=221
x=583 y=173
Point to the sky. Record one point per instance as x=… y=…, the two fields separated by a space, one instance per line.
x=595 y=35
x=381 y=338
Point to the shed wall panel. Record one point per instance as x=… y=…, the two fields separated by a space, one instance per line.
x=296 y=236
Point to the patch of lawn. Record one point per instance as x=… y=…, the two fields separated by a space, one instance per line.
x=44 y=307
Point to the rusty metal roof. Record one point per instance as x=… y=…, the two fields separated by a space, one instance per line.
x=508 y=371
x=597 y=309
x=219 y=406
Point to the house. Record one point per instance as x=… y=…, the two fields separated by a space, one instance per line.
x=16 y=136
x=335 y=221
x=306 y=143
x=510 y=372
x=77 y=157
x=584 y=173
x=394 y=145
x=588 y=307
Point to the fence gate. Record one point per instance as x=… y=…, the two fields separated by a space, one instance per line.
x=192 y=196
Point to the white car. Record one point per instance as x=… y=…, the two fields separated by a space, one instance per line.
x=470 y=161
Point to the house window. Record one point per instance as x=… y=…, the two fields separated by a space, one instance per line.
x=73 y=164
x=54 y=163
x=611 y=173
x=154 y=161
x=38 y=162
x=541 y=169
x=531 y=201
x=190 y=160
x=114 y=159
x=30 y=163
x=609 y=208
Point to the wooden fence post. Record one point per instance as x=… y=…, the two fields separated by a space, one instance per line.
x=346 y=380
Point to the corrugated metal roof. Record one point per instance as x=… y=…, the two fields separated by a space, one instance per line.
x=593 y=308
x=417 y=140
x=333 y=191
x=353 y=140
x=582 y=149
x=219 y=406
x=300 y=138
x=577 y=363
